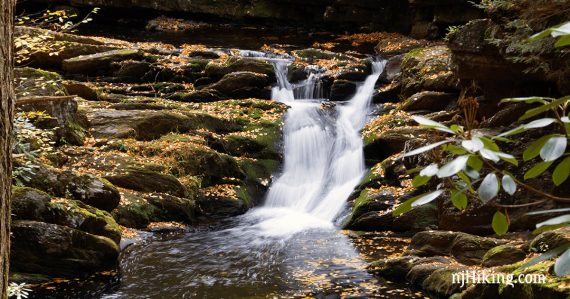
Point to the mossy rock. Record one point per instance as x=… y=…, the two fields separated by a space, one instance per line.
x=98 y=193
x=239 y=64
x=56 y=250
x=28 y=203
x=549 y=240
x=77 y=215
x=241 y=85
x=503 y=255
x=197 y=96
x=140 y=179
x=172 y=208
x=134 y=211
x=311 y=54
x=224 y=200
x=440 y=282
x=426 y=69
x=38 y=82
x=99 y=63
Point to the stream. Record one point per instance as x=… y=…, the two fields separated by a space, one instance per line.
x=290 y=246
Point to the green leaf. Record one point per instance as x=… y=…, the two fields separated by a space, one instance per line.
x=428 y=123
x=561 y=172
x=537 y=170
x=466 y=180
x=490 y=144
x=420 y=180
x=425 y=148
x=509 y=184
x=459 y=199
x=473 y=145
x=562 y=265
x=489 y=188
x=453 y=167
x=554 y=221
x=539 y=110
x=508 y=158
x=475 y=162
x=430 y=170
x=533 y=150
x=422 y=199
x=529 y=100
x=454 y=149
x=554 y=148
x=546 y=256
x=549 y=211
x=500 y=223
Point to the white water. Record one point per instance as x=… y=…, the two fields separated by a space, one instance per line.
x=324 y=159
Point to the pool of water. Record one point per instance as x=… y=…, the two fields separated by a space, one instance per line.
x=250 y=257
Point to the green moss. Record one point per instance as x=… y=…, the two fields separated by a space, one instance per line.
x=18 y=191
x=244 y=196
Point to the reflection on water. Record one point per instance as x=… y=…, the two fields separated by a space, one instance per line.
x=247 y=261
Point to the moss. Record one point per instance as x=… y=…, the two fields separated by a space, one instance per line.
x=18 y=191
x=244 y=196
x=502 y=254
x=135 y=212
x=440 y=282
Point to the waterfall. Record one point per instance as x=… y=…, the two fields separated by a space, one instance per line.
x=323 y=155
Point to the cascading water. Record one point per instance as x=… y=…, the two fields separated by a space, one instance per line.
x=289 y=247
x=324 y=159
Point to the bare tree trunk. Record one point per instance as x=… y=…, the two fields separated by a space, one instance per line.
x=7 y=99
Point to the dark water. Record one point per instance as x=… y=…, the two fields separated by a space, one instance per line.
x=248 y=260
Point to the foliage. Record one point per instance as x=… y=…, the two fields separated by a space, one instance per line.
x=18 y=291
x=60 y=20
x=474 y=163
x=561 y=32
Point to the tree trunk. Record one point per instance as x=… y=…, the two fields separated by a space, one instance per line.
x=7 y=99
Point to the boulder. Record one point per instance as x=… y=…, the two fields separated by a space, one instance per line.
x=197 y=96
x=135 y=211
x=550 y=240
x=342 y=90
x=28 y=203
x=95 y=192
x=503 y=255
x=239 y=85
x=429 y=100
x=100 y=63
x=173 y=208
x=82 y=90
x=239 y=64
x=140 y=179
x=224 y=200
x=77 y=215
x=57 y=250
x=37 y=82
x=381 y=145
x=428 y=69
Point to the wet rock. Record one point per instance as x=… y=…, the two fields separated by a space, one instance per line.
x=429 y=100
x=140 y=179
x=77 y=215
x=28 y=203
x=342 y=90
x=99 y=63
x=173 y=208
x=224 y=201
x=57 y=250
x=388 y=94
x=95 y=192
x=440 y=282
x=240 y=85
x=503 y=255
x=239 y=64
x=134 y=211
x=428 y=69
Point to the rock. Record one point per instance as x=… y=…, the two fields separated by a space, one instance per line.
x=506 y=116
x=49 y=180
x=99 y=63
x=428 y=69
x=69 y=124
x=420 y=218
x=173 y=208
x=77 y=215
x=398 y=45
x=37 y=82
x=399 y=267
x=388 y=94
x=503 y=255
x=467 y=249
x=197 y=96
x=143 y=180
x=550 y=240
x=133 y=70
x=342 y=90
x=142 y=125
x=386 y=143
x=82 y=90
x=370 y=201
x=28 y=203
x=239 y=85
x=440 y=282
x=57 y=250
x=95 y=192
x=429 y=100
x=419 y=273
x=41 y=44
x=312 y=54
x=135 y=211
x=224 y=200
x=240 y=64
